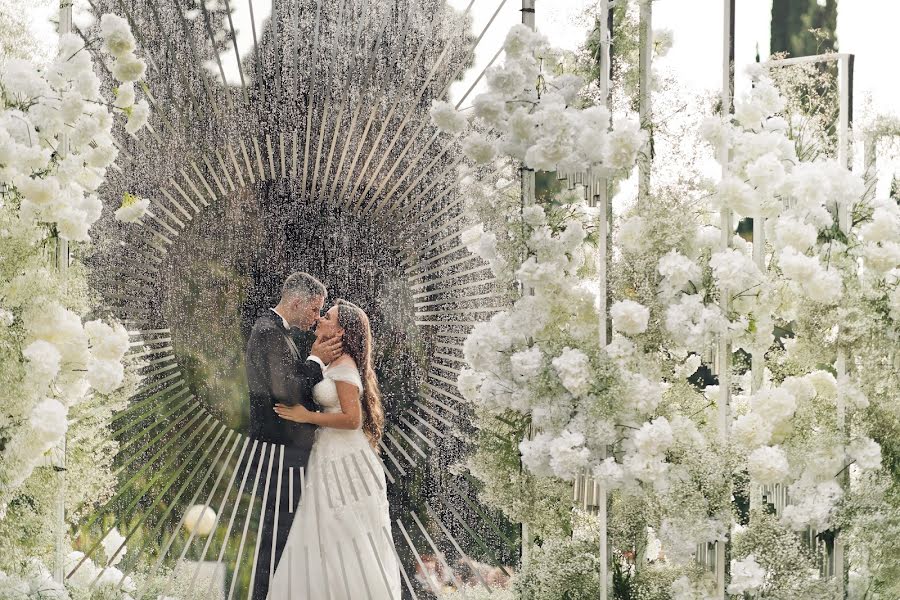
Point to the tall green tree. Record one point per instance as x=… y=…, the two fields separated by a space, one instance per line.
x=803 y=27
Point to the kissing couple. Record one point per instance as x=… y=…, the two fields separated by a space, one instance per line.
x=326 y=530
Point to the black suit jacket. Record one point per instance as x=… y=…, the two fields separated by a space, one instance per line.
x=278 y=373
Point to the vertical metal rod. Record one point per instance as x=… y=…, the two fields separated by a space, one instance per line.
x=727 y=227
x=62 y=265
x=645 y=59
x=845 y=116
x=528 y=19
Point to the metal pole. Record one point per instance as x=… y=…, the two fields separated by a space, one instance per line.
x=727 y=226
x=62 y=265
x=528 y=197
x=645 y=58
x=845 y=117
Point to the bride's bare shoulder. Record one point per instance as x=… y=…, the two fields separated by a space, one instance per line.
x=345 y=360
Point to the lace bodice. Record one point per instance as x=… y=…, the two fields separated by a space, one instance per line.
x=325 y=393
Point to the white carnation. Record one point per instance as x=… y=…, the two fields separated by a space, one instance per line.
x=866 y=452
x=527 y=364
x=574 y=370
x=623 y=143
x=629 y=317
x=137 y=118
x=746 y=576
x=125 y=95
x=568 y=456
x=105 y=376
x=479 y=148
x=128 y=67
x=768 y=465
x=677 y=271
x=750 y=431
x=43 y=360
x=116 y=34
x=631 y=234
x=107 y=342
x=446 y=118
x=134 y=211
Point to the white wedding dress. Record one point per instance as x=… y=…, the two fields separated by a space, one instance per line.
x=340 y=545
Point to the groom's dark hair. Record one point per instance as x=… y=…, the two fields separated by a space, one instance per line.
x=303 y=285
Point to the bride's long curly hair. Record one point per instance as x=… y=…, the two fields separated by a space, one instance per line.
x=357 y=342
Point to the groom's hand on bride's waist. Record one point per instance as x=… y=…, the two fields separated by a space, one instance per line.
x=327 y=349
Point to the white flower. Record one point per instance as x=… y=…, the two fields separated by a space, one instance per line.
x=866 y=452
x=632 y=234
x=750 y=431
x=21 y=80
x=574 y=370
x=507 y=79
x=128 y=67
x=536 y=454
x=653 y=438
x=882 y=257
x=677 y=271
x=689 y=367
x=534 y=215
x=43 y=360
x=812 y=505
x=691 y=323
x=133 y=209
x=885 y=223
x=107 y=342
x=479 y=148
x=138 y=116
x=793 y=232
x=610 y=473
x=86 y=570
x=623 y=143
x=468 y=383
x=491 y=108
x=766 y=172
x=446 y=118
x=117 y=37
x=716 y=132
x=629 y=317
x=709 y=236
x=662 y=41
x=817 y=283
x=49 y=422
x=111 y=544
x=105 y=376
x=73 y=225
x=746 y=576
x=527 y=364
x=738 y=196
x=6 y=318
x=568 y=456
x=520 y=40
x=124 y=95
x=774 y=405
x=768 y=465
x=735 y=271
x=200 y=519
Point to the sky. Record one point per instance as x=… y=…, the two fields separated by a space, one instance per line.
x=865 y=28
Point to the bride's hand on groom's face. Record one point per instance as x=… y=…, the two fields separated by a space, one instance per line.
x=297 y=413
x=327 y=349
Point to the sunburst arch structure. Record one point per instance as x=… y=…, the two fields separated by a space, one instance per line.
x=325 y=132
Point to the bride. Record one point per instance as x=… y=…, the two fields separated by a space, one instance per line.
x=342 y=532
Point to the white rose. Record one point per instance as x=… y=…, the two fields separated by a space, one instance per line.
x=746 y=576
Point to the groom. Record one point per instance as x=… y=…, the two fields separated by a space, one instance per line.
x=277 y=372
